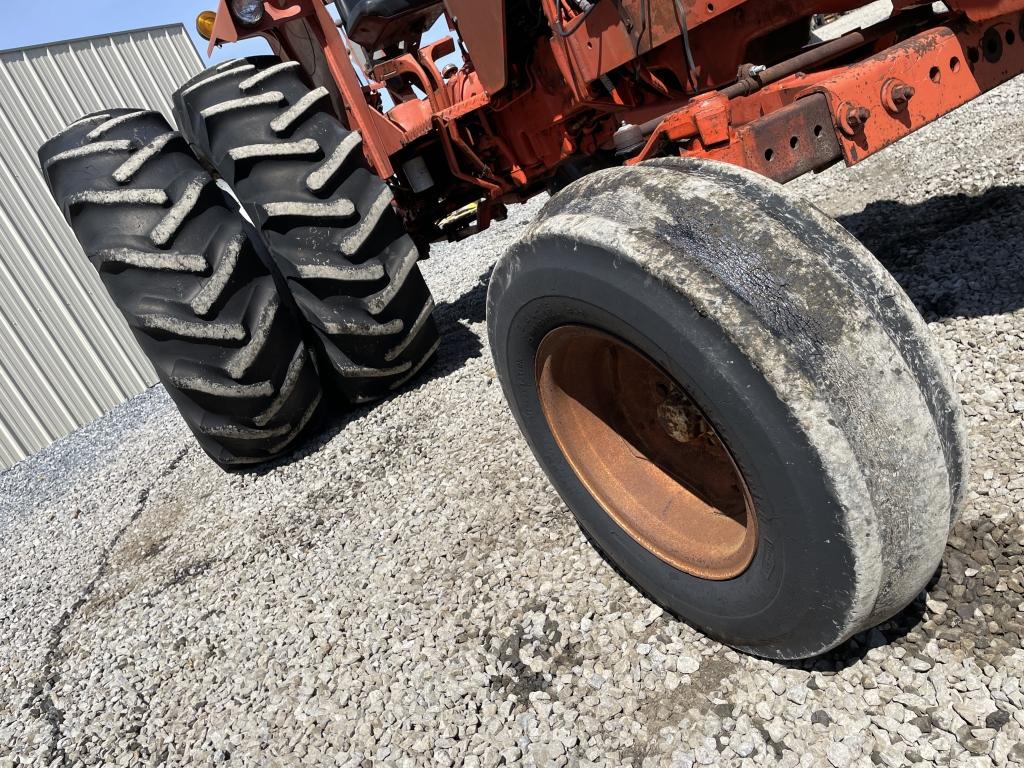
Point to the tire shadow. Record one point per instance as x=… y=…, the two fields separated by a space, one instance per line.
x=954 y=255
x=459 y=345
x=970 y=603
x=470 y=306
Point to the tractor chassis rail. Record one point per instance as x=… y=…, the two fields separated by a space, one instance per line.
x=807 y=122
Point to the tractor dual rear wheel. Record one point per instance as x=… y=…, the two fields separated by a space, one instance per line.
x=190 y=277
x=743 y=410
x=327 y=219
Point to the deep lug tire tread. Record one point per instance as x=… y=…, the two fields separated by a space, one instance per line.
x=327 y=219
x=182 y=266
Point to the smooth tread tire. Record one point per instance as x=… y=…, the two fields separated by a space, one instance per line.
x=187 y=273
x=327 y=219
x=801 y=351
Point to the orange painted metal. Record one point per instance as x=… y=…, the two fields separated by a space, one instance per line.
x=604 y=41
x=225 y=30
x=621 y=31
x=943 y=68
x=381 y=138
x=482 y=25
x=784 y=144
x=722 y=42
x=872 y=103
x=646 y=453
x=503 y=127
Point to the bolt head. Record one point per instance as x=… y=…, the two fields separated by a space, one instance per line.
x=896 y=95
x=901 y=94
x=857 y=116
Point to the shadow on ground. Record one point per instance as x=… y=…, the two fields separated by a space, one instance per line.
x=972 y=603
x=954 y=254
x=459 y=345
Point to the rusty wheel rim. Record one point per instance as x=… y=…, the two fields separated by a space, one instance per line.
x=646 y=453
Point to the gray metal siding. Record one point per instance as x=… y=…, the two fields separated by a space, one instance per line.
x=66 y=354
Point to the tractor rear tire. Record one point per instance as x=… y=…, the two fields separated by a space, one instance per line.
x=743 y=410
x=185 y=270
x=327 y=219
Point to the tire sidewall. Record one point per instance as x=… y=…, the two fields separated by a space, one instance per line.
x=791 y=600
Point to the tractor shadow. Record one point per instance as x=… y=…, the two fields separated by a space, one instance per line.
x=956 y=256
x=970 y=604
x=459 y=345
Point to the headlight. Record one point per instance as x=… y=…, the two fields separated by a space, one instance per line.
x=249 y=12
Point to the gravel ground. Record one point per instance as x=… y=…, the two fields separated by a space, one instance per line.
x=411 y=591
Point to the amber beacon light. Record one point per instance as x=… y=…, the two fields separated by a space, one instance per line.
x=204 y=24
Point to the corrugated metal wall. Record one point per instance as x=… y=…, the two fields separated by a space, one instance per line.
x=66 y=355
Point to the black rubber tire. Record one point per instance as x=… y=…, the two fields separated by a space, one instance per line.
x=327 y=219
x=185 y=269
x=804 y=354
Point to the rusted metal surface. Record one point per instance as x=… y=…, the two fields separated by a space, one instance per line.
x=617 y=32
x=646 y=453
x=785 y=144
x=722 y=43
x=502 y=127
x=751 y=81
x=880 y=100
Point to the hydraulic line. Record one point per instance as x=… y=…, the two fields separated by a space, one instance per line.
x=691 y=67
x=586 y=8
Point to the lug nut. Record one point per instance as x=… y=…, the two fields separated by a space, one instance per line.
x=896 y=95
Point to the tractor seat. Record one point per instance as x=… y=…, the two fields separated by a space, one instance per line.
x=378 y=24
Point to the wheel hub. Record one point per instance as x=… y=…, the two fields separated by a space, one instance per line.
x=645 y=451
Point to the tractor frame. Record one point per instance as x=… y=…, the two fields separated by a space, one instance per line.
x=544 y=98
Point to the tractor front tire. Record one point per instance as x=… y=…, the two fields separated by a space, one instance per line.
x=186 y=272
x=327 y=219
x=743 y=410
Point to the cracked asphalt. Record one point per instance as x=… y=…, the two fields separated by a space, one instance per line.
x=409 y=590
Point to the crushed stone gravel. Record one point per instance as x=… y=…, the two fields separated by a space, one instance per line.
x=410 y=590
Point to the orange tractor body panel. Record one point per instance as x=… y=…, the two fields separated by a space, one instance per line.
x=543 y=98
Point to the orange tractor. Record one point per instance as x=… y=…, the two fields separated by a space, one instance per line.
x=743 y=410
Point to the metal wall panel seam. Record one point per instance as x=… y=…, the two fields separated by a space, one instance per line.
x=66 y=352
x=140 y=366
x=148 y=72
x=14 y=440
x=31 y=430
x=54 y=287
x=17 y=346
x=35 y=332
x=109 y=352
x=65 y=242
x=52 y=292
